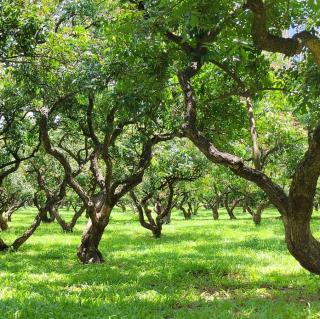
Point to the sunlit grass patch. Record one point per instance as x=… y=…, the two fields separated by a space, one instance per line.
x=199 y=269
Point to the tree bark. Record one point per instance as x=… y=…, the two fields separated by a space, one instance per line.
x=256 y=153
x=76 y=216
x=230 y=209
x=3 y=245
x=167 y=219
x=47 y=219
x=67 y=227
x=264 y=40
x=245 y=203
x=88 y=251
x=186 y=213
x=258 y=213
x=28 y=233
x=3 y=223
x=257 y=218
x=301 y=244
x=215 y=212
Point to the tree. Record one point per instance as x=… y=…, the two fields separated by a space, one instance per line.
x=193 y=35
x=173 y=164
x=16 y=193
x=21 y=31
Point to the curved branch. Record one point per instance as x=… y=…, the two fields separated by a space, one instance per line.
x=44 y=113
x=264 y=40
x=234 y=163
x=304 y=183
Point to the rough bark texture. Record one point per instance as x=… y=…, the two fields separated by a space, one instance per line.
x=187 y=214
x=88 y=251
x=99 y=212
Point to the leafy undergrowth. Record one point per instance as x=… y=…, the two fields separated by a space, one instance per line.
x=200 y=268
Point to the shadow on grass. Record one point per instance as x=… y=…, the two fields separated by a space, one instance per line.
x=196 y=270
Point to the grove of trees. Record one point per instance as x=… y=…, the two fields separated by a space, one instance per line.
x=159 y=105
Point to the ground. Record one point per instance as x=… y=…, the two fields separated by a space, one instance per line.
x=200 y=268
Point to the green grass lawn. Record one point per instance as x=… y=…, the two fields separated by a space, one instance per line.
x=200 y=268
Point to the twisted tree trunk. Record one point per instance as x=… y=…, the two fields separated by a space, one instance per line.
x=28 y=233
x=25 y=236
x=68 y=227
x=88 y=251
x=162 y=211
x=301 y=243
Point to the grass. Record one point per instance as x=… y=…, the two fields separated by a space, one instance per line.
x=199 y=269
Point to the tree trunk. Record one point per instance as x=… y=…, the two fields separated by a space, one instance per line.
x=296 y=208
x=3 y=223
x=193 y=208
x=230 y=209
x=47 y=219
x=231 y=215
x=167 y=219
x=215 y=204
x=65 y=227
x=301 y=244
x=215 y=212
x=245 y=204
x=28 y=233
x=88 y=251
x=156 y=231
x=257 y=217
x=75 y=217
x=186 y=213
x=3 y=246
x=9 y=215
